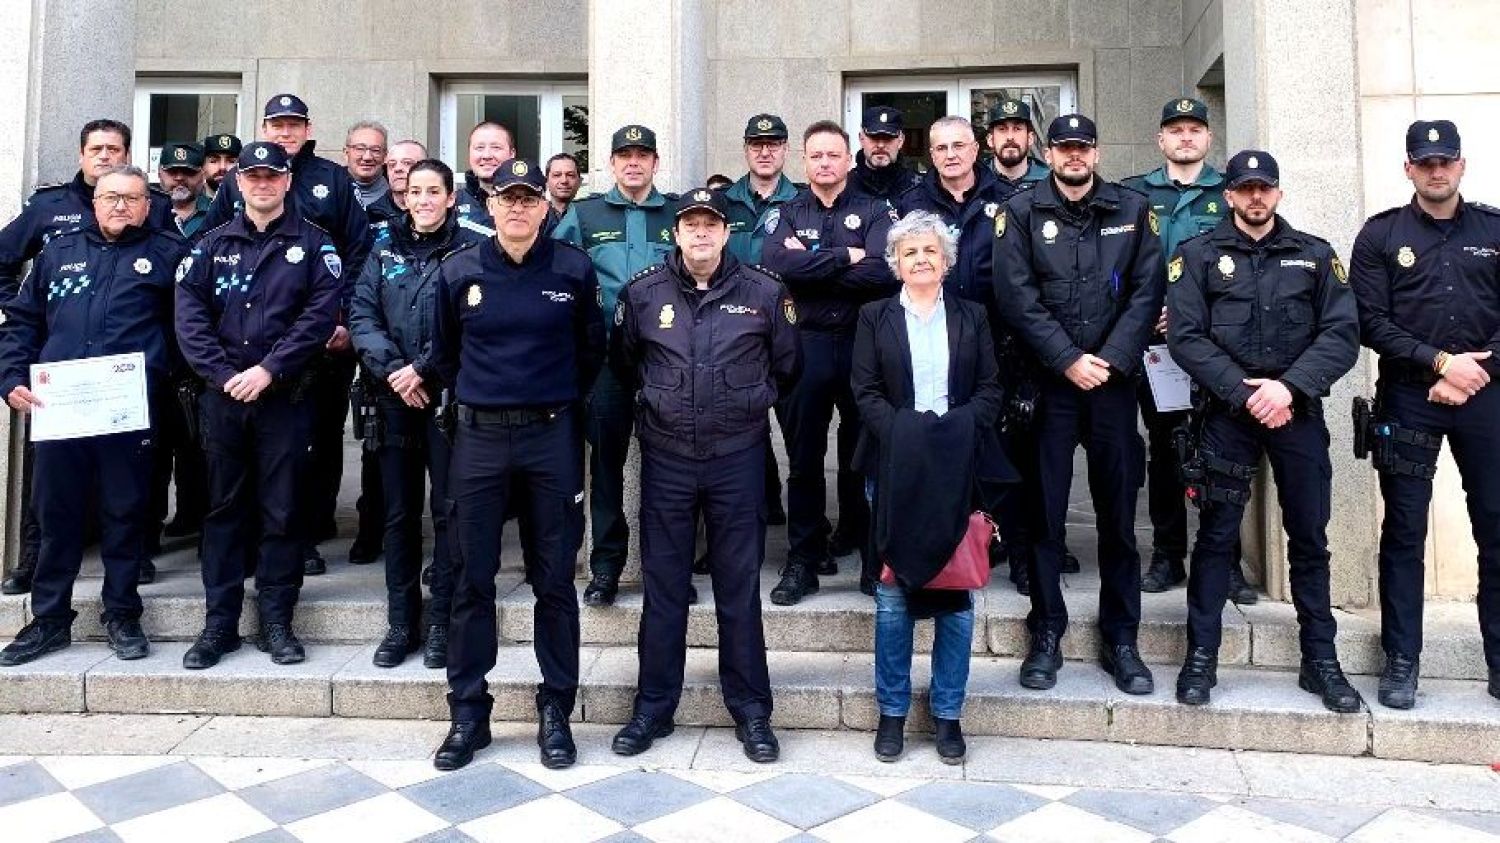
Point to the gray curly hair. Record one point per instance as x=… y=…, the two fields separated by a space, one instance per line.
x=919 y=224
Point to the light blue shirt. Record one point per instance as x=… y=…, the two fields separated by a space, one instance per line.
x=928 y=339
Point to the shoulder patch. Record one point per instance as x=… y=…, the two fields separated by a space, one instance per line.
x=1174 y=270
x=1488 y=209
x=1000 y=216
x=789 y=310
x=1153 y=221
x=763 y=271
x=1339 y=272
x=773 y=219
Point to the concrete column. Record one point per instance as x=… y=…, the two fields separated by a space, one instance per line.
x=66 y=62
x=1290 y=77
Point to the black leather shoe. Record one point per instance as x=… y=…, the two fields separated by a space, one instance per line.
x=602 y=589
x=314 y=565
x=1398 y=682
x=435 y=651
x=147 y=574
x=1240 y=591
x=1123 y=661
x=364 y=551
x=1039 y=669
x=398 y=643
x=890 y=738
x=1325 y=678
x=553 y=735
x=465 y=737
x=950 y=741
x=1164 y=574
x=1199 y=675
x=18 y=581
x=35 y=640
x=127 y=639
x=797 y=581
x=639 y=733
x=211 y=646
x=1070 y=562
x=279 y=640
x=180 y=527
x=758 y=740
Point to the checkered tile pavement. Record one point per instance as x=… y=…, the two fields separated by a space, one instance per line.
x=165 y=798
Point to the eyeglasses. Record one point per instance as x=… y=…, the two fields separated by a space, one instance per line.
x=765 y=145
x=528 y=201
x=111 y=200
x=366 y=149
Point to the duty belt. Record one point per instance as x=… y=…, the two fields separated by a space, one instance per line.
x=517 y=417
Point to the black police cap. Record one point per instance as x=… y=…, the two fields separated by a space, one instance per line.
x=1251 y=165
x=264 y=155
x=181 y=156
x=881 y=121
x=633 y=135
x=285 y=105
x=703 y=199
x=1432 y=139
x=1010 y=109
x=1184 y=109
x=518 y=172
x=1072 y=128
x=222 y=145
x=765 y=127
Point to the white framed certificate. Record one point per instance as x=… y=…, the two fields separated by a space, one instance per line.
x=92 y=396
x=1171 y=388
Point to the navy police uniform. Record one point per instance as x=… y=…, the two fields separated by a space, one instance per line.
x=1277 y=308
x=828 y=290
x=1429 y=287
x=88 y=296
x=708 y=365
x=882 y=183
x=519 y=343
x=250 y=297
x=1073 y=278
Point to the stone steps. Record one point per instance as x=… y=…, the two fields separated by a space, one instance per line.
x=1253 y=709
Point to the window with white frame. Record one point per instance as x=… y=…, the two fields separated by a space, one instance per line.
x=545 y=117
x=180 y=111
x=923 y=99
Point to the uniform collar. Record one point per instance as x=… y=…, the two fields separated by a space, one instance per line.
x=741 y=191
x=131 y=234
x=1035 y=171
x=288 y=223
x=538 y=246
x=304 y=154
x=1207 y=177
x=716 y=284
x=1228 y=235
x=1416 y=210
x=654 y=199
x=1104 y=194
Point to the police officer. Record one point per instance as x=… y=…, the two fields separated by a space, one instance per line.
x=53 y=208
x=96 y=291
x=220 y=152
x=563 y=182
x=710 y=343
x=1263 y=320
x=828 y=244
x=1426 y=278
x=1012 y=138
x=624 y=231
x=180 y=175
x=490 y=145
x=1187 y=195
x=366 y=145
x=1078 y=274
x=879 y=172
x=256 y=301
x=520 y=338
x=392 y=320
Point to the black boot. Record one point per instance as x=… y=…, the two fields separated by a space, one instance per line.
x=211 y=646
x=1199 y=674
x=1398 y=682
x=279 y=640
x=35 y=640
x=1123 y=662
x=399 y=642
x=554 y=738
x=797 y=581
x=1165 y=573
x=758 y=740
x=1240 y=591
x=640 y=733
x=364 y=550
x=602 y=589
x=435 y=652
x=127 y=639
x=313 y=563
x=465 y=737
x=19 y=580
x=890 y=738
x=1039 y=669
x=1325 y=678
x=950 y=741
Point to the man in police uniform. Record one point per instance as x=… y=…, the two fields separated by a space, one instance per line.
x=624 y=231
x=490 y=145
x=1187 y=195
x=1263 y=321
x=519 y=340
x=256 y=301
x=115 y=259
x=879 y=172
x=220 y=152
x=1011 y=139
x=563 y=181
x=710 y=343
x=1425 y=275
x=1078 y=275
x=180 y=174
x=828 y=244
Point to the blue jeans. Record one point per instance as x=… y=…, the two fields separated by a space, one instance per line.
x=893 y=647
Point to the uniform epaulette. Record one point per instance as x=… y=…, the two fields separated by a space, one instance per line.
x=51 y=185
x=315 y=226
x=579 y=249
x=755 y=267
x=1199 y=236
x=478 y=228
x=1133 y=188
x=643 y=273
x=1488 y=209
x=1387 y=212
x=671 y=197
x=203 y=235
x=461 y=247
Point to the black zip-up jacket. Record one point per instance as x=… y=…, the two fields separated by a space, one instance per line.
x=887 y=182
x=394 y=314
x=974 y=221
x=707 y=364
x=88 y=297
x=1280 y=308
x=828 y=289
x=246 y=297
x=53 y=209
x=1086 y=279
x=1424 y=287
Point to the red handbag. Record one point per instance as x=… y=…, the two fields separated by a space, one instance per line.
x=969 y=566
